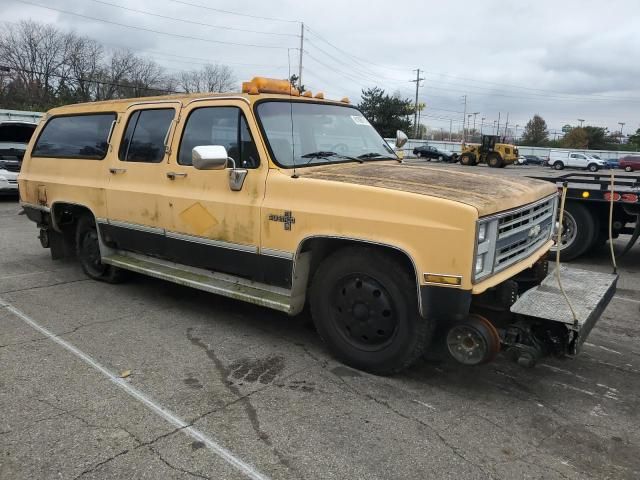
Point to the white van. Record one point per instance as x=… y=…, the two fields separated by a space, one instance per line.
x=560 y=159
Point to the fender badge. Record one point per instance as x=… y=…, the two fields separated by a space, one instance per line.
x=287 y=219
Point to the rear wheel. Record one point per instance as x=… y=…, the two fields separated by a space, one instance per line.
x=558 y=165
x=494 y=160
x=88 y=251
x=364 y=305
x=579 y=229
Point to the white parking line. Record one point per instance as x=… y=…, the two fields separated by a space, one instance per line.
x=167 y=415
x=627 y=299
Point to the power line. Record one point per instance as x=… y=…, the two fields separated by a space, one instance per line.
x=151 y=30
x=89 y=80
x=234 y=13
x=223 y=27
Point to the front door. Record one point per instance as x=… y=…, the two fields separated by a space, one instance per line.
x=215 y=227
x=577 y=160
x=137 y=211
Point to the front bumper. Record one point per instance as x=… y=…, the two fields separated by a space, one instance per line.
x=8 y=184
x=588 y=292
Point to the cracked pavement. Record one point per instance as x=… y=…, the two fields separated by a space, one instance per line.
x=262 y=385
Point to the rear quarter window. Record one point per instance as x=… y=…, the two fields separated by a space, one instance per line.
x=75 y=136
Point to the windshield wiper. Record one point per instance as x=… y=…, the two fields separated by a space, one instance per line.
x=326 y=155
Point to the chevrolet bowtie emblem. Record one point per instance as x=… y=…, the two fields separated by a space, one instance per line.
x=534 y=231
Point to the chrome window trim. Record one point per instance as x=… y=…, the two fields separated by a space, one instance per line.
x=204 y=99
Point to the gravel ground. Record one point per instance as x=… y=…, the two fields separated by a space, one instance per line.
x=203 y=373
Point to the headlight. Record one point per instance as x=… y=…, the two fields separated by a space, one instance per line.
x=486 y=235
x=482 y=232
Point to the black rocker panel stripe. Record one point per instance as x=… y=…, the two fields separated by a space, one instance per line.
x=260 y=268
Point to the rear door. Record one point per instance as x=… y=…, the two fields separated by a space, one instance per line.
x=138 y=213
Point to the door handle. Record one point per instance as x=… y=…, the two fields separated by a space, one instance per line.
x=117 y=170
x=174 y=175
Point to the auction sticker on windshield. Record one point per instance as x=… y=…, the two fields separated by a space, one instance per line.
x=359 y=120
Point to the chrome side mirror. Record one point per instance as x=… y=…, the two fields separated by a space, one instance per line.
x=209 y=157
x=401 y=138
x=215 y=157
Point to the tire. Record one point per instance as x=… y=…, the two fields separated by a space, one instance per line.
x=350 y=293
x=558 y=165
x=88 y=252
x=494 y=160
x=581 y=230
x=467 y=159
x=628 y=168
x=592 y=167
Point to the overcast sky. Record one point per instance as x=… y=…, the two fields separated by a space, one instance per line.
x=563 y=59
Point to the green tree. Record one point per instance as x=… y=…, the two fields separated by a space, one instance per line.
x=535 y=133
x=575 y=138
x=386 y=113
x=635 y=139
x=597 y=137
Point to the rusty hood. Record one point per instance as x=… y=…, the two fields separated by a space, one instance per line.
x=488 y=193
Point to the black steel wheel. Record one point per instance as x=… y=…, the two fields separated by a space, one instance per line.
x=364 y=305
x=88 y=252
x=364 y=312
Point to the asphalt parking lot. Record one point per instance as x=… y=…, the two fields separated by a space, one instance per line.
x=151 y=380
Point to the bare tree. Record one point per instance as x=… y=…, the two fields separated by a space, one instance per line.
x=211 y=78
x=84 y=65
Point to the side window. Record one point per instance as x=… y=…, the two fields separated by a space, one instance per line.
x=224 y=126
x=75 y=136
x=143 y=139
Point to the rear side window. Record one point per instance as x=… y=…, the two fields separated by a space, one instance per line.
x=144 y=138
x=224 y=126
x=75 y=136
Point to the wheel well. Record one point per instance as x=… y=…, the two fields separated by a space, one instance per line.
x=64 y=216
x=321 y=247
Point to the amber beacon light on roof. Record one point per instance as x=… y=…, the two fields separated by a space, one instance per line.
x=259 y=85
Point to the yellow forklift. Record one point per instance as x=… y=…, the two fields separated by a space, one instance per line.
x=494 y=154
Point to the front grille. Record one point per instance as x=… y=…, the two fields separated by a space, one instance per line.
x=11 y=166
x=12 y=182
x=523 y=231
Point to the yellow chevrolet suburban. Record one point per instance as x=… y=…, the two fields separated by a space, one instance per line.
x=283 y=200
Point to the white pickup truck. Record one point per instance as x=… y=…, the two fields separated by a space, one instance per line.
x=560 y=159
x=14 y=137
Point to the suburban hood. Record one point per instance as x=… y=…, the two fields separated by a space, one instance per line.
x=488 y=193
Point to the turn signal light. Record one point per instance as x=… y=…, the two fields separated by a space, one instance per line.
x=452 y=280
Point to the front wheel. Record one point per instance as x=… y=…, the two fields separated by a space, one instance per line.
x=467 y=159
x=364 y=305
x=592 y=167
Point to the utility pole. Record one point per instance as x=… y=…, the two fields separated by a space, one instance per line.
x=622 y=124
x=473 y=132
x=506 y=125
x=464 y=119
x=498 y=128
x=581 y=120
x=450 y=126
x=415 y=113
x=515 y=137
x=301 y=50
x=482 y=124
x=494 y=127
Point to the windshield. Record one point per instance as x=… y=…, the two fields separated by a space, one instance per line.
x=319 y=134
x=16 y=132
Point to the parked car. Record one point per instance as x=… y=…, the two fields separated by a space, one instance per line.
x=521 y=160
x=14 y=137
x=612 y=163
x=534 y=160
x=432 y=153
x=630 y=163
x=560 y=159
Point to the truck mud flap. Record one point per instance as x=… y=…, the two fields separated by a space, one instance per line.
x=589 y=293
